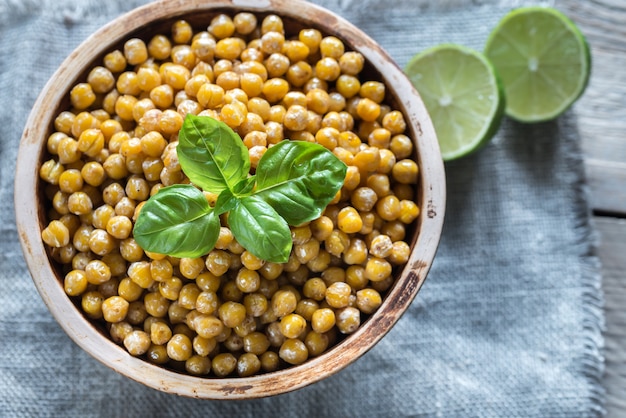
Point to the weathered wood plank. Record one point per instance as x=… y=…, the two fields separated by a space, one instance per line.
x=607 y=185
x=601 y=111
x=612 y=253
x=601 y=118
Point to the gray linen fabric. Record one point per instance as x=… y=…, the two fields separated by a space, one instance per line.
x=507 y=325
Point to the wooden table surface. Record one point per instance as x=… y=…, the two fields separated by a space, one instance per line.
x=601 y=120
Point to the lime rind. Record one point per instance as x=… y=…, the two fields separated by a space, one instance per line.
x=463 y=95
x=519 y=87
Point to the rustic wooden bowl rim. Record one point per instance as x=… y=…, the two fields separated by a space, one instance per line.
x=30 y=217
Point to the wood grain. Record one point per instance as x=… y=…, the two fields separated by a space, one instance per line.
x=601 y=111
x=601 y=119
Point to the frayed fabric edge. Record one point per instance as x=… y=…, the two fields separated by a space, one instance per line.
x=592 y=361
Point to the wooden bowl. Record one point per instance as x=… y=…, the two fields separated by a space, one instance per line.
x=158 y=16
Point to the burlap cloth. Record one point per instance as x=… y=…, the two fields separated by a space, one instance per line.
x=508 y=323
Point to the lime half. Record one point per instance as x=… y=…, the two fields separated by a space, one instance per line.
x=462 y=94
x=543 y=61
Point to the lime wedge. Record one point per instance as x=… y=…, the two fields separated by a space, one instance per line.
x=543 y=61
x=462 y=94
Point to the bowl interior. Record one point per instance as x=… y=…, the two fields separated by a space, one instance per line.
x=158 y=18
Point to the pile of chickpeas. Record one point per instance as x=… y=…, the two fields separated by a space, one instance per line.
x=228 y=313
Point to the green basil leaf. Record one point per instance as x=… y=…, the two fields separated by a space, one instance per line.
x=211 y=154
x=260 y=230
x=177 y=221
x=245 y=186
x=298 y=179
x=227 y=200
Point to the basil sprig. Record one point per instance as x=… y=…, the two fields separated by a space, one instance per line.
x=293 y=183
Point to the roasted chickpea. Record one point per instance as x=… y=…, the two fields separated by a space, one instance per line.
x=228 y=312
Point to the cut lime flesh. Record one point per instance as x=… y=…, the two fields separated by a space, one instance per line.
x=462 y=94
x=543 y=61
